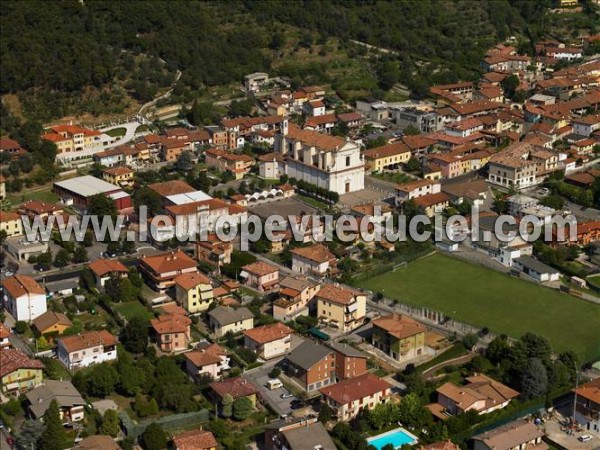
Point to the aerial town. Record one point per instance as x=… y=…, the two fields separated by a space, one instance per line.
x=167 y=331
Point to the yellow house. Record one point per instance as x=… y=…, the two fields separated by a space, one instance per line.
x=121 y=176
x=51 y=322
x=18 y=372
x=11 y=223
x=194 y=292
x=385 y=156
x=225 y=319
x=342 y=308
x=400 y=337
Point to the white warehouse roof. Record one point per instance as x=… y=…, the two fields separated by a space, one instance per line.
x=86 y=186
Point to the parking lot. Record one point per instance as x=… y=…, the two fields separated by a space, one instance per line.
x=259 y=378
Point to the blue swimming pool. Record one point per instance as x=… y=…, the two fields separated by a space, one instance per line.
x=397 y=438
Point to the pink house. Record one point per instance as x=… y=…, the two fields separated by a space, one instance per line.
x=261 y=276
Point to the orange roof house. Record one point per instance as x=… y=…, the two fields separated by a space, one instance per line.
x=348 y=397
x=160 y=270
x=172 y=332
x=194 y=440
x=269 y=341
x=104 y=269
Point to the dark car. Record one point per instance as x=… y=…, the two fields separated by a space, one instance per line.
x=297 y=404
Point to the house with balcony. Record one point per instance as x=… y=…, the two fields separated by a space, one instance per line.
x=160 y=270
x=296 y=296
x=330 y=162
x=311 y=365
x=120 y=176
x=24 y=298
x=415 y=189
x=18 y=372
x=70 y=403
x=261 y=276
x=315 y=259
x=269 y=341
x=207 y=360
x=351 y=396
x=236 y=164
x=105 y=269
x=341 y=307
x=85 y=349
x=349 y=362
x=398 y=336
x=194 y=292
x=225 y=319
x=587 y=405
x=214 y=251
x=480 y=393
x=171 y=332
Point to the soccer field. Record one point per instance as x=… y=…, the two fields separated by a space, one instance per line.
x=483 y=297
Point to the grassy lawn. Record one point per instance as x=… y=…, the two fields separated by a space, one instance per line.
x=117 y=132
x=132 y=309
x=483 y=297
x=142 y=128
x=396 y=177
x=45 y=195
x=313 y=202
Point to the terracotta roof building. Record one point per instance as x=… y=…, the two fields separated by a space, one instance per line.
x=399 y=336
x=237 y=387
x=269 y=341
x=24 y=298
x=51 y=322
x=82 y=350
x=18 y=372
x=341 y=307
x=315 y=259
x=172 y=332
x=104 y=269
x=160 y=270
x=194 y=440
x=518 y=434
x=348 y=397
x=208 y=359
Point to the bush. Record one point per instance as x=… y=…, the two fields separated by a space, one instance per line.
x=275 y=372
x=21 y=327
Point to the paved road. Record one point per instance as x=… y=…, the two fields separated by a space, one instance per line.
x=385 y=187
x=259 y=378
x=127 y=137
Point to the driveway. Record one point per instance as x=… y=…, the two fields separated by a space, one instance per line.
x=259 y=378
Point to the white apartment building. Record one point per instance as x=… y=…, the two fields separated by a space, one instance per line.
x=330 y=162
x=269 y=341
x=83 y=350
x=416 y=189
x=24 y=298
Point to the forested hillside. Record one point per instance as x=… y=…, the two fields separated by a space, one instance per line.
x=61 y=57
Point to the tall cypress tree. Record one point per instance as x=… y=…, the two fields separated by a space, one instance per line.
x=54 y=436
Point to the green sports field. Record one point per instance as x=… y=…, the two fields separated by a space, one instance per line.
x=483 y=297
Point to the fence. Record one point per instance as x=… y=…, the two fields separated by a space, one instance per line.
x=168 y=423
x=393 y=265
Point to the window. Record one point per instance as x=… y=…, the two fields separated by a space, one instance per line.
x=347 y=161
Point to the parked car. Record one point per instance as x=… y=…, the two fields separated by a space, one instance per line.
x=585 y=438
x=286 y=395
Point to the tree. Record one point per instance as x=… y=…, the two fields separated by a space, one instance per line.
x=132 y=378
x=411 y=130
x=102 y=205
x=325 y=413
x=101 y=380
x=148 y=198
x=184 y=161
x=510 y=85
x=242 y=408
x=275 y=372
x=62 y=258
x=154 y=437
x=413 y=165
x=110 y=423
x=497 y=350
x=44 y=260
x=134 y=336
x=21 y=327
x=553 y=201
x=470 y=340
x=54 y=436
x=29 y=435
x=534 y=379
x=537 y=346
x=80 y=255
x=227 y=406
x=145 y=407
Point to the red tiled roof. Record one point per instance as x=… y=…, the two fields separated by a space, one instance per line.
x=590 y=391
x=171 y=323
x=168 y=262
x=315 y=139
x=268 y=333
x=173 y=187
x=19 y=285
x=13 y=359
x=399 y=325
x=385 y=151
x=87 y=340
x=337 y=294
x=260 y=268
x=101 y=267
x=316 y=252
x=190 y=280
x=194 y=440
x=353 y=389
x=236 y=387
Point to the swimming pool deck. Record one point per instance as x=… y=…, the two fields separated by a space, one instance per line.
x=402 y=430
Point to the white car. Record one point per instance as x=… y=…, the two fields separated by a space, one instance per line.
x=585 y=438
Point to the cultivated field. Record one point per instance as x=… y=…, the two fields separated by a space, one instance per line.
x=482 y=297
